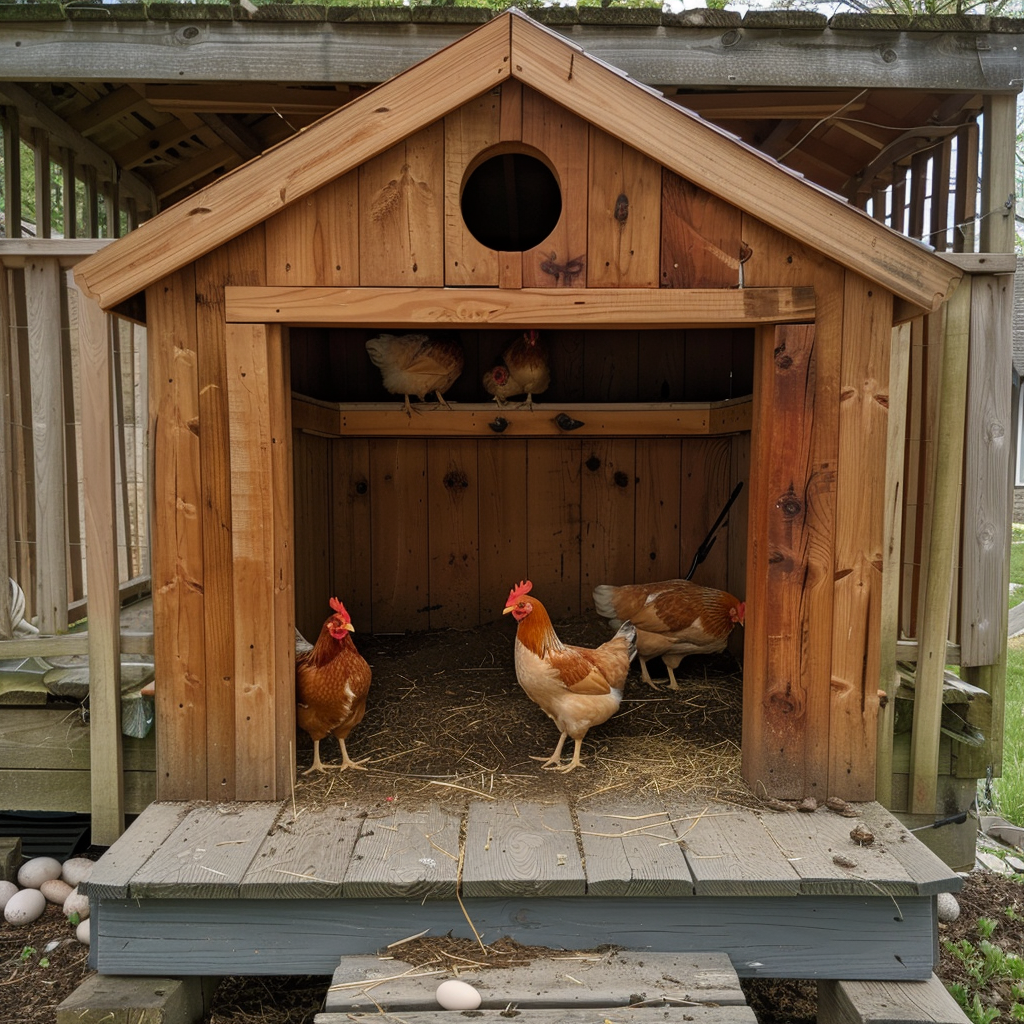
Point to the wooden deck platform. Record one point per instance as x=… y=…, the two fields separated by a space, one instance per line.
x=255 y=888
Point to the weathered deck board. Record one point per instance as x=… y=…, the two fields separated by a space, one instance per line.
x=825 y=936
x=729 y=854
x=521 y=849
x=623 y=1015
x=207 y=855
x=879 y=1002
x=303 y=858
x=406 y=853
x=611 y=979
x=631 y=854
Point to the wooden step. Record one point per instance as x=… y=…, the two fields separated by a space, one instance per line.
x=606 y=981
x=887 y=1002
x=622 y=1015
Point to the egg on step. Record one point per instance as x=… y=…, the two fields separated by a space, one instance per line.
x=457 y=995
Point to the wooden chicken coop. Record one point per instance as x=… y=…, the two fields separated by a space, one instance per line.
x=712 y=317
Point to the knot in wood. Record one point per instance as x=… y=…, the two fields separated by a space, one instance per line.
x=622 y=208
x=621 y=480
x=456 y=478
x=593 y=463
x=361 y=487
x=790 y=505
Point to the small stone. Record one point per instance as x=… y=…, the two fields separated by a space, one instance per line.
x=948 y=907
x=843 y=862
x=808 y=805
x=779 y=805
x=862 y=835
x=840 y=806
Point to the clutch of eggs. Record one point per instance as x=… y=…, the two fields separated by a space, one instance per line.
x=457 y=995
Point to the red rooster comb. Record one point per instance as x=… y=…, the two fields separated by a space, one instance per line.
x=339 y=609
x=518 y=591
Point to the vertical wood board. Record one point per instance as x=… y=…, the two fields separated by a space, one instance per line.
x=658 y=510
x=349 y=526
x=503 y=473
x=607 y=515
x=700 y=237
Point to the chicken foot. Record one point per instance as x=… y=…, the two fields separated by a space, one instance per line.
x=645 y=676
x=346 y=761
x=554 y=762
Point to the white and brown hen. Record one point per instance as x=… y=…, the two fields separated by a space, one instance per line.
x=416 y=364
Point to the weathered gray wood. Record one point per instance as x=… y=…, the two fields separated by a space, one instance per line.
x=887 y=1002
x=517 y=849
x=78 y=643
x=305 y=858
x=5 y=453
x=42 y=298
x=136 y=1001
x=827 y=860
x=406 y=853
x=998 y=162
x=720 y=850
x=988 y=442
x=824 y=936
x=49 y=790
x=611 y=979
x=982 y=262
x=629 y=853
x=15 y=252
x=113 y=871
x=208 y=853
x=368 y=52
x=623 y=1015
x=10 y=858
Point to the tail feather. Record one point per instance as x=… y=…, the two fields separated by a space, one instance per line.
x=604 y=602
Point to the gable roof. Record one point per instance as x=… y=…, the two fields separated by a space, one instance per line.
x=515 y=46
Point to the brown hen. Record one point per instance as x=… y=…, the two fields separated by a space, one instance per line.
x=523 y=371
x=416 y=364
x=332 y=680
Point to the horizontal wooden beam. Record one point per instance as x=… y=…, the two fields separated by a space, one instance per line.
x=531 y=307
x=68 y=644
x=982 y=262
x=691 y=419
x=16 y=252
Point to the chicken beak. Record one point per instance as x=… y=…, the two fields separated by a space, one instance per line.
x=350 y=627
x=507 y=610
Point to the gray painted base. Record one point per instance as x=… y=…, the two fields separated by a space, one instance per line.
x=777 y=937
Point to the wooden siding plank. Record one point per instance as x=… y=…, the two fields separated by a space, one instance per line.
x=715 y=161
x=112 y=875
x=401 y=213
x=880 y=1002
x=623 y=215
x=562 y=137
x=860 y=504
x=350 y=561
x=314 y=502
x=510 y=129
x=949 y=439
x=242 y=261
x=988 y=433
x=630 y=855
x=398 y=535
x=453 y=492
x=42 y=299
x=661 y=364
x=468 y=131
x=253 y=561
x=610 y=308
x=717 y=844
x=303 y=858
x=705 y=475
x=855 y=937
x=658 y=510
x=889 y=633
x=519 y=849
x=503 y=526
x=700 y=237
x=106 y=779
x=553 y=523
x=71 y=790
x=177 y=566
x=412 y=854
x=736 y=526
x=208 y=853
x=607 y=516
x=315 y=241
x=319 y=154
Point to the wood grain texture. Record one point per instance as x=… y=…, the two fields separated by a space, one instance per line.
x=351 y=504
x=859 y=539
x=314 y=505
x=242 y=261
x=887 y=1002
x=521 y=849
x=252 y=561
x=700 y=237
x=623 y=215
x=106 y=780
x=406 y=853
x=998 y=163
x=468 y=131
x=401 y=213
x=503 y=473
x=569 y=1015
x=303 y=858
x=176 y=561
x=607 y=515
x=315 y=241
x=415 y=306
x=706 y=484
x=207 y=854
x=562 y=138
x=330 y=148
x=453 y=494
x=735 y=173
x=658 y=510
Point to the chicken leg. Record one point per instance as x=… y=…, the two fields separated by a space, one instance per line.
x=554 y=762
x=346 y=761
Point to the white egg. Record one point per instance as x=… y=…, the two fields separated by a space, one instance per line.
x=25 y=907
x=82 y=933
x=457 y=995
x=77 y=869
x=7 y=890
x=77 y=903
x=55 y=890
x=34 y=872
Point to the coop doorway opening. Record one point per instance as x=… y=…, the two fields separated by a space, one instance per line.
x=511 y=200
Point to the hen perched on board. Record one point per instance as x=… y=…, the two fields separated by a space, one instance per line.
x=672 y=619
x=523 y=370
x=332 y=680
x=416 y=364
x=576 y=687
